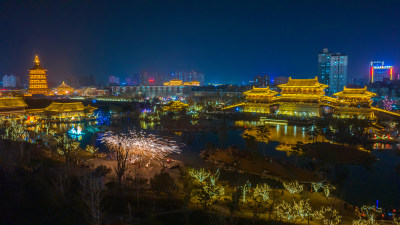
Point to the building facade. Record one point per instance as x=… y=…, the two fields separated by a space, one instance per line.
x=9 y=81
x=306 y=98
x=38 y=79
x=354 y=101
x=261 y=81
x=259 y=100
x=379 y=72
x=113 y=80
x=301 y=97
x=157 y=79
x=332 y=70
x=152 y=91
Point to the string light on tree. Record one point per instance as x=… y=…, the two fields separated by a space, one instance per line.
x=388 y=103
x=293 y=187
x=263 y=191
x=328 y=215
x=199 y=175
x=316 y=186
x=327 y=189
x=370 y=212
x=246 y=188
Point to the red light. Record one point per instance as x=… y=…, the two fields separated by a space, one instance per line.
x=383 y=215
x=394 y=210
x=151 y=80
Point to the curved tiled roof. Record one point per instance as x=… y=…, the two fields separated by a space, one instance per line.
x=64 y=86
x=355 y=92
x=260 y=91
x=65 y=107
x=303 y=83
x=12 y=102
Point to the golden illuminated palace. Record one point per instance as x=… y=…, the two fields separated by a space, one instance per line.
x=63 y=89
x=72 y=111
x=301 y=97
x=177 y=82
x=38 y=79
x=259 y=100
x=306 y=98
x=354 y=101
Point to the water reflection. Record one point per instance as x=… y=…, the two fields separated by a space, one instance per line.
x=283 y=133
x=358 y=184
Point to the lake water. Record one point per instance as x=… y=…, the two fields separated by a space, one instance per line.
x=357 y=184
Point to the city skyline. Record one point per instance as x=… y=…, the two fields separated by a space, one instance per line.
x=193 y=112
x=82 y=39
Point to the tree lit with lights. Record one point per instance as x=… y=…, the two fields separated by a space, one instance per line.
x=388 y=103
x=293 y=187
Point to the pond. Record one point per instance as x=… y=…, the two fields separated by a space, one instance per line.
x=357 y=184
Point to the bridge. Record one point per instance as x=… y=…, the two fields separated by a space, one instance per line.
x=375 y=109
x=233 y=106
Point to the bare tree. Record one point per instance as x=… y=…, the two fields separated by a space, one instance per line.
x=62 y=181
x=91 y=184
x=67 y=147
x=121 y=154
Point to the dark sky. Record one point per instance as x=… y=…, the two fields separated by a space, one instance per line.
x=229 y=40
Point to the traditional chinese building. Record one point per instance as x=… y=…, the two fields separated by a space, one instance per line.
x=9 y=106
x=69 y=111
x=63 y=89
x=175 y=106
x=306 y=98
x=177 y=82
x=301 y=97
x=38 y=79
x=354 y=102
x=259 y=100
x=192 y=83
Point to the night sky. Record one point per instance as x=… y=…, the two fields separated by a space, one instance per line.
x=230 y=41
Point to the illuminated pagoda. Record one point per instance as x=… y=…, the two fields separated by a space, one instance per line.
x=259 y=100
x=354 y=102
x=38 y=79
x=63 y=89
x=301 y=97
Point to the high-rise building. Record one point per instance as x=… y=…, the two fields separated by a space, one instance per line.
x=113 y=80
x=9 y=81
x=332 y=70
x=261 y=81
x=38 y=79
x=157 y=79
x=379 y=72
x=197 y=76
x=187 y=76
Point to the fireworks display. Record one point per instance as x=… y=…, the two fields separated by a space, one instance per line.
x=142 y=148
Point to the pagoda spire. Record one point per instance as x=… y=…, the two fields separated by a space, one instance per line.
x=37 y=61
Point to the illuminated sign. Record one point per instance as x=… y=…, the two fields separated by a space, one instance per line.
x=378 y=71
